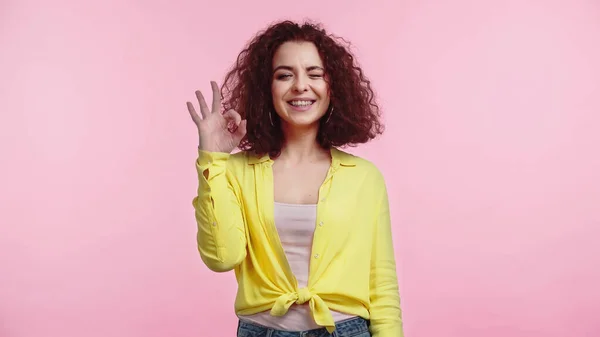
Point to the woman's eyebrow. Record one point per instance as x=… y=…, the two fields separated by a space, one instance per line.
x=291 y=68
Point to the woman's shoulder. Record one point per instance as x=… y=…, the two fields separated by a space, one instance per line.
x=361 y=166
x=243 y=160
x=340 y=157
x=349 y=159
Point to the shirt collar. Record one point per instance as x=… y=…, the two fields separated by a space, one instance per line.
x=339 y=157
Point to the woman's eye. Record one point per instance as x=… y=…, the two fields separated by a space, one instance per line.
x=283 y=76
x=315 y=75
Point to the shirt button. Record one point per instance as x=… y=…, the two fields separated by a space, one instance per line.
x=321 y=224
x=316 y=256
x=214 y=223
x=322 y=199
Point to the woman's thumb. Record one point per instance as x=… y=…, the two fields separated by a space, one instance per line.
x=241 y=129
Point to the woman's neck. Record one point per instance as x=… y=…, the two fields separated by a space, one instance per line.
x=301 y=146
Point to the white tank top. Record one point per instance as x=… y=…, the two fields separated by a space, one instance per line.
x=295 y=225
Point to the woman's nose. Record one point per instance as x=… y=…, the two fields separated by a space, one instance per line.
x=300 y=84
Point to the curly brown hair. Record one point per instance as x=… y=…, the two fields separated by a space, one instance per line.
x=247 y=89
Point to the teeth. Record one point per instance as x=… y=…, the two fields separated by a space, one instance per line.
x=301 y=103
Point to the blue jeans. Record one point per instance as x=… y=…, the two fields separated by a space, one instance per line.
x=353 y=327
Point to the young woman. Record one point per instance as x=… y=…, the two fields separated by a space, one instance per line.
x=305 y=226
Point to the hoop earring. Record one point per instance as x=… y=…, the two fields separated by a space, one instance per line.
x=329 y=117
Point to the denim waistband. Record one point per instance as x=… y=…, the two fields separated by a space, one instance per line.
x=356 y=326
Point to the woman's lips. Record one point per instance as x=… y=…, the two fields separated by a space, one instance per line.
x=303 y=107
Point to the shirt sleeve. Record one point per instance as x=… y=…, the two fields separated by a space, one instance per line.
x=221 y=233
x=386 y=315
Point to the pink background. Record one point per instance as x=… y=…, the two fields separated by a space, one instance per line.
x=492 y=157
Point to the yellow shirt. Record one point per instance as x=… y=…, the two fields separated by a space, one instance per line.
x=352 y=267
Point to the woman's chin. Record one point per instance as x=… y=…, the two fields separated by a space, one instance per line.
x=301 y=119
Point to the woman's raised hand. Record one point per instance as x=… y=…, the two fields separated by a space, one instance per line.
x=218 y=132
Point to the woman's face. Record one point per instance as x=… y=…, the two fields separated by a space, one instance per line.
x=300 y=92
